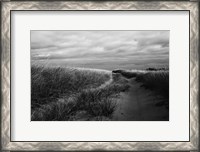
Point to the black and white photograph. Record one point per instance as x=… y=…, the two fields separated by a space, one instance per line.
x=99 y=75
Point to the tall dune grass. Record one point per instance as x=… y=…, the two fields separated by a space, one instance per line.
x=50 y=83
x=59 y=94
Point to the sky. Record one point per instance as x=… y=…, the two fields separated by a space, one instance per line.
x=101 y=49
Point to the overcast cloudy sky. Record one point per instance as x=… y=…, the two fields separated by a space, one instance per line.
x=101 y=49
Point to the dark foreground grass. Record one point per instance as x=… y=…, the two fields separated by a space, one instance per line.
x=61 y=94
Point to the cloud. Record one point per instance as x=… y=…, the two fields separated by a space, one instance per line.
x=106 y=46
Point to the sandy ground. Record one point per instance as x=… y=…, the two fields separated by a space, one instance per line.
x=140 y=104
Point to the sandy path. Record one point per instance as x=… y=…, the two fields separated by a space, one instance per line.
x=139 y=104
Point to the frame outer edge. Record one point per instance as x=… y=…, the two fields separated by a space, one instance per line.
x=5 y=76
x=194 y=75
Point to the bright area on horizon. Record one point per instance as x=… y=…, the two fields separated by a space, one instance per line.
x=101 y=49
